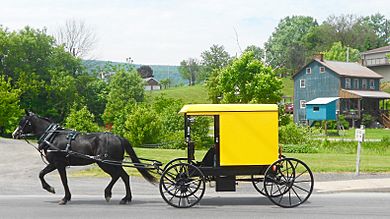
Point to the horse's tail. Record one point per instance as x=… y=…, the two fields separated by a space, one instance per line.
x=144 y=172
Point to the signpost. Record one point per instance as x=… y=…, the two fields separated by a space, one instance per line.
x=359 y=137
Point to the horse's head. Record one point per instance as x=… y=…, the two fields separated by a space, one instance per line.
x=30 y=124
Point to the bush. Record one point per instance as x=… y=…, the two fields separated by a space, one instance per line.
x=143 y=126
x=367 y=120
x=293 y=134
x=305 y=148
x=81 y=120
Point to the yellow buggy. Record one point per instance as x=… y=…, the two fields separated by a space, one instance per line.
x=245 y=149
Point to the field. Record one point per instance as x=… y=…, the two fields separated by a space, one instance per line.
x=198 y=93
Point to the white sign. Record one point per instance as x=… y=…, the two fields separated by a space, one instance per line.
x=359 y=135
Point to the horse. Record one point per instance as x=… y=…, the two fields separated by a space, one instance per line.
x=59 y=146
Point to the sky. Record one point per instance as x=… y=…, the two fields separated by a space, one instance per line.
x=168 y=31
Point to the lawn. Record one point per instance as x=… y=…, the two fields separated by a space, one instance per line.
x=198 y=93
x=316 y=162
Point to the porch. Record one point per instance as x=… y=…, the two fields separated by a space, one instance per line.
x=356 y=103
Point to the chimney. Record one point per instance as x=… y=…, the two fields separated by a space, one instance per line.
x=319 y=56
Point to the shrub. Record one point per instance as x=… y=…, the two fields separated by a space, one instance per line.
x=367 y=120
x=143 y=126
x=305 y=148
x=293 y=134
x=81 y=120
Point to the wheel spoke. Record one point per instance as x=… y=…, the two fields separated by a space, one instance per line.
x=303 y=189
x=301 y=174
x=300 y=200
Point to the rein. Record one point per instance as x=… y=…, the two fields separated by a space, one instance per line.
x=43 y=156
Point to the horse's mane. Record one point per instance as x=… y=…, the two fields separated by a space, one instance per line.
x=44 y=118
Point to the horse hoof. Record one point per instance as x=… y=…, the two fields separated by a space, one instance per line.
x=51 y=190
x=108 y=198
x=62 y=202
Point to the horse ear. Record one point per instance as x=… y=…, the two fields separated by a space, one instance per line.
x=27 y=112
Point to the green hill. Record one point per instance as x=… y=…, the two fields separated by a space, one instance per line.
x=189 y=94
x=198 y=93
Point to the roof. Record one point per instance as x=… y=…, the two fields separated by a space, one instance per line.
x=377 y=50
x=151 y=78
x=322 y=100
x=351 y=69
x=369 y=93
x=198 y=108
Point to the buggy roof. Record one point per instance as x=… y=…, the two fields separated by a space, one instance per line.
x=208 y=108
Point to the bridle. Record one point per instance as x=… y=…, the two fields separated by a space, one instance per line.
x=25 y=136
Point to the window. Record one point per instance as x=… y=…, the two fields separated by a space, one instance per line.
x=372 y=84
x=364 y=84
x=322 y=69
x=316 y=108
x=347 y=83
x=308 y=70
x=302 y=83
x=356 y=83
x=302 y=103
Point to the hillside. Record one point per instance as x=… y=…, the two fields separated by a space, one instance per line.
x=198 y=93
x=159 y=71
x=189 y=94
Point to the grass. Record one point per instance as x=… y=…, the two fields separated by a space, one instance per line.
x=198 y=93
x=334 y=162
x=288 y=87
x=189 y=94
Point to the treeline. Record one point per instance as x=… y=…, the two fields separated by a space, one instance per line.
x=294 y=42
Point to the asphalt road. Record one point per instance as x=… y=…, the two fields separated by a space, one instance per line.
x=21 y=196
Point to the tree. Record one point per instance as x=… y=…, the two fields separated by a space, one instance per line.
x=257 y=51
x=10 y=111
x=213 y=59
x=350 y=30
x=166 y=82
x=248 y=80
x=125 y=87
x=76 y=37
x=30 y=58
x=338 y=52
x=80 y=119
x=189 y=69
x=381 y=26
x=145 y=71
x=288 y=47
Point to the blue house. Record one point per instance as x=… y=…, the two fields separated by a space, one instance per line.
x=321 y=109
x=355 y=85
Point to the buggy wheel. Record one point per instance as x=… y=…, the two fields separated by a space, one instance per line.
x=258 y=183
x=288 y=182
x=176 y=161
x=182 y=185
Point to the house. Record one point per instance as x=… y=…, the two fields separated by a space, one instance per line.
x=151 y=84
x=356 y=86
x=377 y=60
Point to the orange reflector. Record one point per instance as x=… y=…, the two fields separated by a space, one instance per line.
x=274 y=167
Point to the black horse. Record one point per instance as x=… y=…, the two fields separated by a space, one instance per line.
x=60 y=146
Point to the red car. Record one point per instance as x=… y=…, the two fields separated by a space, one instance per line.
x=289 y=108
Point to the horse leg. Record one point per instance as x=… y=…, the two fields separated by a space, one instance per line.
x=64 y=180
x=126 y=179
x=49 y=168
x=114 y=173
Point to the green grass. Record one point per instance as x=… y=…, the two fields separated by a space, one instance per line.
x=370 y=134
x=198 y=93
x=189 y=94
x=334 y=162
x=288 y=87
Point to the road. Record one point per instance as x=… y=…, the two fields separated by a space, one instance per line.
x=21 y=196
